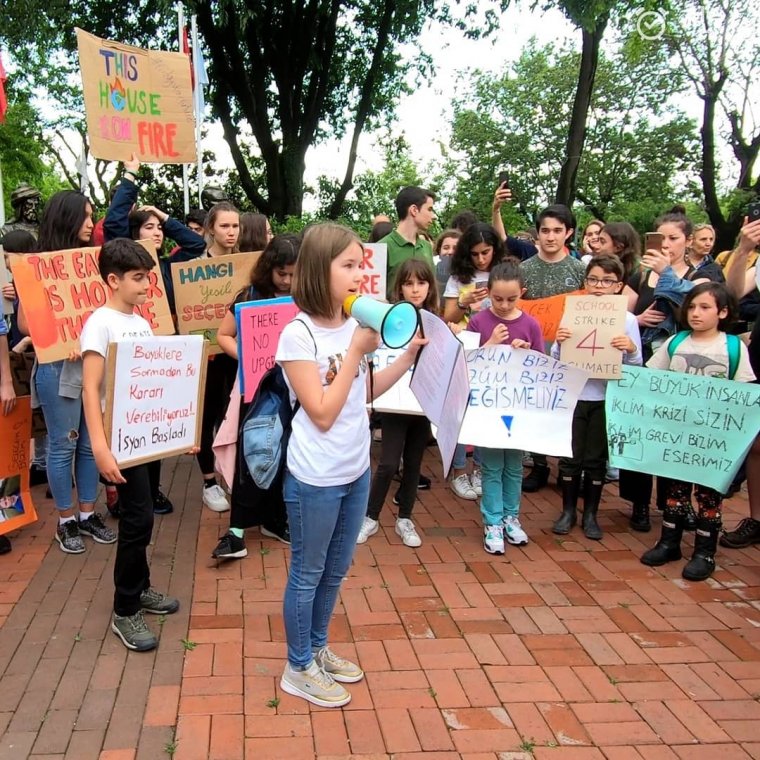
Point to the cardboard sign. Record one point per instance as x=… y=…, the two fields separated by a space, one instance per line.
x=137 y=101
x=375 y=266
x=21 y=374
x=6 y=304
x=520 y=399
x=594 y=321
x=60 y=290
x=154 y=397
x=688 y=427
x=204 y=289
x=548 y=312
x=259 y=326
x=16 y=507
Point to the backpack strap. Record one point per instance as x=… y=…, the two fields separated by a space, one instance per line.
x=733 y=345
x=676 y=341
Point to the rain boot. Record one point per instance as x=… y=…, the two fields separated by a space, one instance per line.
x=702 y=562
x=668 y=548
x=571 y=486
x=592 y=495
x=640 y=518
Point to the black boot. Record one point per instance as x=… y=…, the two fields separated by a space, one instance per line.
x=690 y=521
x=570 y=489
x=668 y=548
x=592 y=495
x=640 y=518
x=702 y=562
x=536 y=479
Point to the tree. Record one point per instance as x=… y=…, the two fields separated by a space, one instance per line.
x=716 y=45
x=634 y=145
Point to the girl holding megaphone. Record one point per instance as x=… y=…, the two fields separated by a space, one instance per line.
x=323 y=354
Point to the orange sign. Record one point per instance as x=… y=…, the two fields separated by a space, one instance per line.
x=60 y=290
x=16 y=507
x=548 y=312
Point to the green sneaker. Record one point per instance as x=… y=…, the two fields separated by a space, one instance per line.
x=157 y=603
x=134 y=632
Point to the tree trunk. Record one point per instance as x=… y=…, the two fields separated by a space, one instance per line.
x=576 y=137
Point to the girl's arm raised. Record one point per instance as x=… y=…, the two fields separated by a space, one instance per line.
x=324 y=404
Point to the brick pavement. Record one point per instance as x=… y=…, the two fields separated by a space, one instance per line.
x=566 y=649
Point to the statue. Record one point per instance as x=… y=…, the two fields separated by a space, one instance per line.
x=212 y=195
x=25 y=202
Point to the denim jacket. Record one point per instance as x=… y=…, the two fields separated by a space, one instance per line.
x=669 y=294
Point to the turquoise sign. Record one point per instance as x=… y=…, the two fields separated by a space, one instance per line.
x=688 y=427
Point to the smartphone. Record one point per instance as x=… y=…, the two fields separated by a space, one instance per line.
x=503 y=179
x=653 y=241
x=753 y=212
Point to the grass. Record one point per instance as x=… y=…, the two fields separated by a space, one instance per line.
x=273 y=702
x=188 y=645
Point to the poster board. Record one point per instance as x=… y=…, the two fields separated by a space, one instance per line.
x=154 y=397
x=520 y=399
x=137 y=102
x=398 y=399
x=16 y=506
x=22 y=364
x=6 y=304
x=548 y=312
x=688 y=427
x=205 y=287
x=259 y=326
x=375 y=267
x=60 y=290
x=594 y=321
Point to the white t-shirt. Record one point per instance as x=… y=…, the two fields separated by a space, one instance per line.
x=106 y=325
x=455 y=288
x=708 y=359
x=341 y=454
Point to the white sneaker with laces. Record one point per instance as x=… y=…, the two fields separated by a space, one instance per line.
x=493 y=539
x=476 y=481
x=215 y=499
x=369 y=528
x=314 y=685
x=405 y=528
x=514 y=531
x=462 y=487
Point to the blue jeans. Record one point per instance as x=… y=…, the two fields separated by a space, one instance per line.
x=460 y=457
x=324 y=525
x=501 y=471
x=68 y=441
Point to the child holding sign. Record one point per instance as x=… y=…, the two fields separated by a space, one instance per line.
x=124 y=266
x=403 y=434
x=323 y=354
x=704 y=349
x=504 y=323
x=604 y=277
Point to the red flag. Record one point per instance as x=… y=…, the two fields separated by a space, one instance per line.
x=3 y=99
x=186 y=51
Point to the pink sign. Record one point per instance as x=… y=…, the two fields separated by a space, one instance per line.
x=259 y=324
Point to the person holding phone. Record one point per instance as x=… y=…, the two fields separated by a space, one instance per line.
x=521 y=249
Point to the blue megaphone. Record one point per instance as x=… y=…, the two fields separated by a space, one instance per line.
x=396 y=322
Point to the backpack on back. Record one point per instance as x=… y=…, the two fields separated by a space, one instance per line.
x=265 y=429
x=732 y=346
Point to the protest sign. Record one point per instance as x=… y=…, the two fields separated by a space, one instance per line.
x=137 y=102
x=398 y=399
x=22 y=364
x=688 y=427
x=259 y=324
x=5 y=278
x=548 y=312
x=204 y=289
x=375 y=266
x=593 y=322
x=60 y=290
x=154 y=397
x=16 y=507
x=520 y=399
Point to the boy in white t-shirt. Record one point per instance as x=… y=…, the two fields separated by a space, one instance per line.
x=124 y=266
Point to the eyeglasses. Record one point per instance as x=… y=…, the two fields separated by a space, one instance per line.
x=605 y=283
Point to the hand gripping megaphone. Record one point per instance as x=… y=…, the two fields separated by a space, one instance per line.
x=396 y=322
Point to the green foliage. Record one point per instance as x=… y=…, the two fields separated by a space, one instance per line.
x=635 y=147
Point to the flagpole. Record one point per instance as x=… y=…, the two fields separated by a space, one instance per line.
x=199 y=102
x=185 y=172
x=2 y=199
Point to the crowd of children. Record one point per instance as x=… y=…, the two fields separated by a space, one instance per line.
x=327 y=499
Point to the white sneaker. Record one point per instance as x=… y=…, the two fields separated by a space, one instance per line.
x=476 y=481
x=314 y=685
x=405 y=528
x=369 y=528
x=493 y=539
x=514 y=532
x=462 y=487
x=215 y=499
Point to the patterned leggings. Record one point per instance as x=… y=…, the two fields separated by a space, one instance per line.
x=709 y=501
